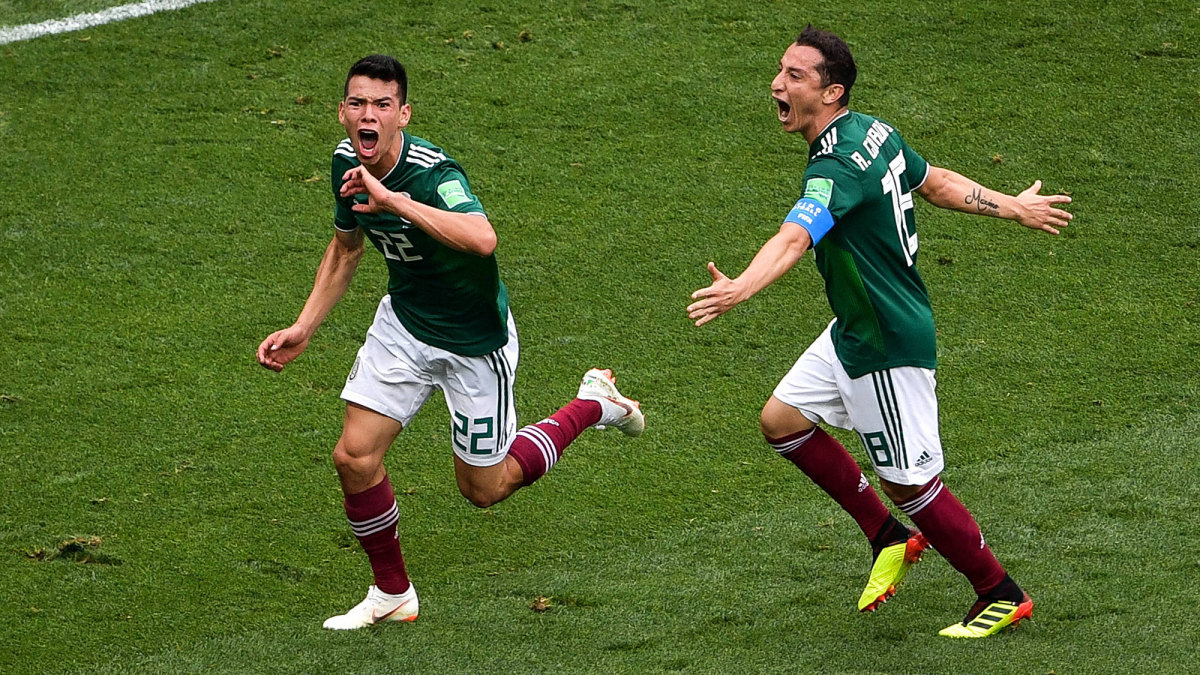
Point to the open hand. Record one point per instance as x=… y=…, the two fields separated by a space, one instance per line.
x=714 y=300
x=1038 y=212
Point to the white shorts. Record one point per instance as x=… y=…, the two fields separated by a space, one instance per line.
x=894 y=411
x=395 y=373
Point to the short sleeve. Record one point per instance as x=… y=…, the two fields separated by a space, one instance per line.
x=916 y=169
x=343 y=215
x=832 y=183
x=452 y=191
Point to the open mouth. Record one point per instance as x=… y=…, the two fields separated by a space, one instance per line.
x=367 y=139
x=784 y=110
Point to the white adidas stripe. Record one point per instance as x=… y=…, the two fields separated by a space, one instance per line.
x=543 y=442
x=921 y=502
x=346 y=149
x=784 y=448
x=80 y=21
x=363 y=528
x=426 y=153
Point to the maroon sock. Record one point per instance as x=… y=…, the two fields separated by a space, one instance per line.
x=824 y=460
x=951 y=530
x=373 y=516
x=537 y=447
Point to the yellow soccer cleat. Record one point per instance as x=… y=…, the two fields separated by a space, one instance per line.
x=889 y=569
x=991 y=618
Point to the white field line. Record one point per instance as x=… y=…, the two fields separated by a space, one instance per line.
x=80 y=21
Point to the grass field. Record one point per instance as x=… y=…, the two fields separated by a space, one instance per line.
x=171 y=506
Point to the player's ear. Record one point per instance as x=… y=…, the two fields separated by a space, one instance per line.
x=342 y=112
x=832 y=93
x=404 y=116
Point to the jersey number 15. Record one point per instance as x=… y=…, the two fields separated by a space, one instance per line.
x=901 y=202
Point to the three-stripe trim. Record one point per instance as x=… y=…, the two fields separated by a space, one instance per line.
x=543 y=442
x=504 y=372
x=365 y=528
x=788 y=446
x=989 y=617
x=345 y=149
x=921 y=501
x=423 y=156
x=889 y=409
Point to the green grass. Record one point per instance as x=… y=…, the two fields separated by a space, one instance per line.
x=171 y=506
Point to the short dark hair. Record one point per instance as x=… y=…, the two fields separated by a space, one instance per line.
x=838 y=67
x=380 y=67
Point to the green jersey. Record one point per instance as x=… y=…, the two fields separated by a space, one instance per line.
x=446 y=298
x=864 y=173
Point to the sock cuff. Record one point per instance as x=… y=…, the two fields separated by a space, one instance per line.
x=792 y=442
x=371 y=503
x=923 y=498
x=529 y=472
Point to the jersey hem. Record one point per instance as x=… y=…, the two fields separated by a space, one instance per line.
x=457 y=348
x=855 y=373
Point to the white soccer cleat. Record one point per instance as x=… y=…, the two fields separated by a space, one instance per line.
x=615 y=410
x=377 y=608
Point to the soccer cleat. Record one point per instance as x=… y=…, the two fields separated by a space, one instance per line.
x=377 y=608
x=988 y=618
x=615 y=410
x=892 y=563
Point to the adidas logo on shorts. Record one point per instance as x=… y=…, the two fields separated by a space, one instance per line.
x=924 y=459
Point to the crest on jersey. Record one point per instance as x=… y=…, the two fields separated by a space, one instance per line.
x=820 y=189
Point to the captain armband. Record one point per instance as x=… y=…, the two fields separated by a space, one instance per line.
x=813 y=216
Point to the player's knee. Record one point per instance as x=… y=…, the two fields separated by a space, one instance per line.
x=901 y=493
x=347 y=461
x=779 y=419
x=775 y=426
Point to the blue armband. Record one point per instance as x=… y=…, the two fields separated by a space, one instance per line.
x=813 y=216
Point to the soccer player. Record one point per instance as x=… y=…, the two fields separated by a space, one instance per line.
x=444 y=323
x=873 y=368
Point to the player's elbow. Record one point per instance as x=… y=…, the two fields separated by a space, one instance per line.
x=936 y=186
x=486 y=245
x=481 y=243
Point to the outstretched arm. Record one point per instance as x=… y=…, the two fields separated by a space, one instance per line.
x=333 y=278
x=951 y=190
x=467 y=232
x=777 y=256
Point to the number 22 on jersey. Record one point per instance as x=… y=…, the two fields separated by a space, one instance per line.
x=396 y=246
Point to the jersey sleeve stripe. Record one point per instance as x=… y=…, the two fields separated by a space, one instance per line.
x=417 y=152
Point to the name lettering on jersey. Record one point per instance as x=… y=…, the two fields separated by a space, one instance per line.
x=827 y=142
x=453 y=193
x=876 y=136
x=819 y=189
x=863 y=164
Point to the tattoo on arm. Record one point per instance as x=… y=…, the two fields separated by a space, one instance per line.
x=982 y=204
